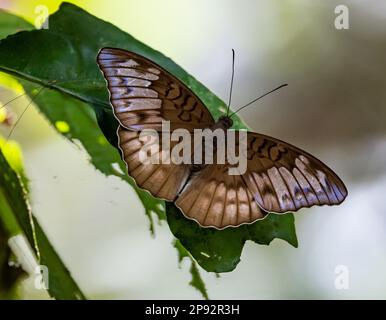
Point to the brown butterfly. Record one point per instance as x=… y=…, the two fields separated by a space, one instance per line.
x=280 y=178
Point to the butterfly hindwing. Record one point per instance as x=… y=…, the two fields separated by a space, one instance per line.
x=216 y=199
x=163 y=180
x=144 y=94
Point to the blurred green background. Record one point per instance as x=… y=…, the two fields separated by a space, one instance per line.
x=334 y=107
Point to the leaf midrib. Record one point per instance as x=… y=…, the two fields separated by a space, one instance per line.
x=49 y=85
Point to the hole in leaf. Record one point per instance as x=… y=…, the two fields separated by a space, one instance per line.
x=117 y=168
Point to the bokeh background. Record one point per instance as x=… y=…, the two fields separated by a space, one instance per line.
x=334 y=107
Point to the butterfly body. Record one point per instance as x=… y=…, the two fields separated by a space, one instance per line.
x=224 y=122
x=279 y=177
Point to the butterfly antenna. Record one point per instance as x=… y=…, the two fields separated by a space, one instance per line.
x=10 y=101
x=258 y=98
x=233 y=74
x=25 y=93
x=24 y=111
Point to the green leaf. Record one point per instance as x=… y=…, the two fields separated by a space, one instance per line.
x=220 y=250
x=61 y=284
x=66 y=53
x=75 y=120
x=9 y=275
x=196 y=281
x=10 y=24
x=15 y=211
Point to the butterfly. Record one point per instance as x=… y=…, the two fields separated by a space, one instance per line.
x=280 y=177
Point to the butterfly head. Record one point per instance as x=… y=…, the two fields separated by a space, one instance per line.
x=225 y=122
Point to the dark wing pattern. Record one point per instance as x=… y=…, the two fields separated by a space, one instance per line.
x=216 y=199
x=144 y=94
x=284 y=178
x=279 y=178
x=161 y=180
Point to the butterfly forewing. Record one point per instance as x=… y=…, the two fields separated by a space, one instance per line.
x=279 y=178
x=144 y=94
x=284 y=178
